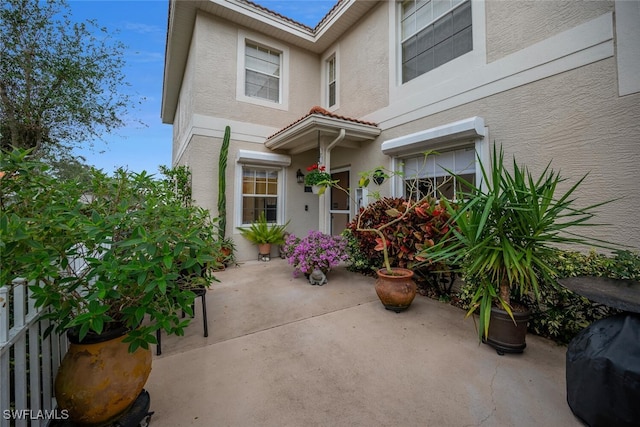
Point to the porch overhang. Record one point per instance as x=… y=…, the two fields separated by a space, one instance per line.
x=305 y=134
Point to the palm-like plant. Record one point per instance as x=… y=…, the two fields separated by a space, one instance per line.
x=261 y=232
x=505 y=232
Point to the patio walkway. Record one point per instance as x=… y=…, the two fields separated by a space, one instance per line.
x=281 y=352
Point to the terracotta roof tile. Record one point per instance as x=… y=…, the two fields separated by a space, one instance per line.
x=321 y=111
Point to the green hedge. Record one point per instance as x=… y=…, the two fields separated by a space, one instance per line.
x=561 y=314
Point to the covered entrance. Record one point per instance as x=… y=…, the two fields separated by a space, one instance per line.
x=322 y=131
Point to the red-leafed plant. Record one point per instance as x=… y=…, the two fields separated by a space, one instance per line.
x=391 y=228
x=424 y=222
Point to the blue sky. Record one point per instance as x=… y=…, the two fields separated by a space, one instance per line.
x=141 y=25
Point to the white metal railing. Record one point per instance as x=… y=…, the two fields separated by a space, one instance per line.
x=28 y=361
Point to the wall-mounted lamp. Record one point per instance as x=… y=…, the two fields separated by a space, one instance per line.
x=299 y=177
x=378 y=176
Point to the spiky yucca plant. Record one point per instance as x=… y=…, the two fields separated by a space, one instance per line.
x=505 y=231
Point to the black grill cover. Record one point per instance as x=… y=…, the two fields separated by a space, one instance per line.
x=603 y=372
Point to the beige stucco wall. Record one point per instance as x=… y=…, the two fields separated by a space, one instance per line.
x=202 y=157
x=184 y=109
x=364 y=69
x=215 y=72
x=577 y=121
x=512 y=26
x=574 y=119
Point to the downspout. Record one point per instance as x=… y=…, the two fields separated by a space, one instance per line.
x=339 y=138
x=324 y=206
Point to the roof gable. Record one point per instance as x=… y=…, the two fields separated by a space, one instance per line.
x=182 y=17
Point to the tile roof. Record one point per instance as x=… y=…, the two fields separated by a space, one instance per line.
x=286 y=18
x=321 y=111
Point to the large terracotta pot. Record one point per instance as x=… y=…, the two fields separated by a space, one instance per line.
x=99 y=379
x=397 y=289
x=504 y=335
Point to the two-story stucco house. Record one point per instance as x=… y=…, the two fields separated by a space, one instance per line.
x=380 y=82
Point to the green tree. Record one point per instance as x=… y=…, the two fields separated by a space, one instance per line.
x=60 y=82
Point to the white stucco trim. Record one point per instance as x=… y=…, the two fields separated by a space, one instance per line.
x=213 y=127
x=262 y=158
x=243 y=36
x=462 y=130
x=628 y=46
x=584 y=44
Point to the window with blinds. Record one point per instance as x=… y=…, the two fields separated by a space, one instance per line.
x=430 y=177
x=433 y=32
x=262 y=72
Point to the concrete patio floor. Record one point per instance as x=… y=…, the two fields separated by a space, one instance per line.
x=281 y=352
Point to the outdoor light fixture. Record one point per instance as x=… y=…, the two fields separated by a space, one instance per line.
x=299 y=177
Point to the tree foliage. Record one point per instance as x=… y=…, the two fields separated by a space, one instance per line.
x=60 y=81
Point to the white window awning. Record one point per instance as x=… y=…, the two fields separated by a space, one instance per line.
x=263 y=159
x=449 y=134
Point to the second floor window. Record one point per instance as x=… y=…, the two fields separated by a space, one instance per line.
x=331 y=81
x=433 y=32
x=262 y=68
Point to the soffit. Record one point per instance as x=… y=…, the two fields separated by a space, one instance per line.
x=182 y=16
x=306 y=133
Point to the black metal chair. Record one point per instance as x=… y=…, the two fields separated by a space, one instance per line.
x=202 y=293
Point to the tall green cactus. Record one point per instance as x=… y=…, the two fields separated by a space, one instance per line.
x=222 y=183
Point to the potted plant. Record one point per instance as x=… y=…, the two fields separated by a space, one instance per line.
x=264 y=235
x=504 y=233
x=394 y=285
x=317 y=177
x=317 y=251
x=104 y=261
x=227 y=249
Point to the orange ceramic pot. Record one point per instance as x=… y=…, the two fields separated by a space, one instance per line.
x=397 y=289
x=264 y=249
x=98 y=379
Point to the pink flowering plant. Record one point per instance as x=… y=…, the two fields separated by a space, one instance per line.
x=317 y=251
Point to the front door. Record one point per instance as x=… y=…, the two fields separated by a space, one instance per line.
x=340 y=202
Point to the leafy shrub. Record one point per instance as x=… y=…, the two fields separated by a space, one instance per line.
x=317 y=251
x=421 y=228
x=561 y=314
x=113 y=251
x=358 y=261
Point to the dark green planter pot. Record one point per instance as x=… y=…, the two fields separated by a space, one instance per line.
x=504 y=335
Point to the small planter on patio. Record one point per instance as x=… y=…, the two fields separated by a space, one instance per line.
x=263 y=234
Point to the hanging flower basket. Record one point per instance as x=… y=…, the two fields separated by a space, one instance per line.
x=317 y=178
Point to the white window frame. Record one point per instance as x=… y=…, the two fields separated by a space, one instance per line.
x=245 y=37
x=451 y=7
x=456 y=68
x=335 y=54
x=627 y=42
x=266 y=161
x=451 y=136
